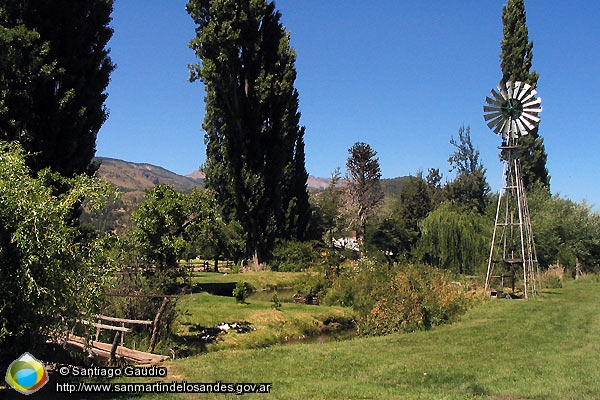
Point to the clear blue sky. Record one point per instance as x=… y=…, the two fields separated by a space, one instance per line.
x=400 y=75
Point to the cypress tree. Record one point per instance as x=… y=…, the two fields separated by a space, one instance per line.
x=516 y=62
x=54 y=72
x=255 y=147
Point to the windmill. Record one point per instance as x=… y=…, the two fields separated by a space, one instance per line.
x=511 y=112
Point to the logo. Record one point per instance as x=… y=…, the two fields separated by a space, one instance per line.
x=26 y=374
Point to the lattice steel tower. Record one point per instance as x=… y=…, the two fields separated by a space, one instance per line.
x=512 y=112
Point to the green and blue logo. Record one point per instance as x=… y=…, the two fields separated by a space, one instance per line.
x=26 y=374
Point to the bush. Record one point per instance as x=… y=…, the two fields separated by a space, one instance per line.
x=292 y=256
x=553 y=278
x=276 y=302
x=416 y=298
x=398 y=299
x=311 y=286
x=241 y=292
x=355 y=282
x=51 y=271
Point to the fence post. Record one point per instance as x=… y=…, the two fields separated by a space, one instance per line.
x=155 y=326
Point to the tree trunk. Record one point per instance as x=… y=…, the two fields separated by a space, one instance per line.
x=255 y=260
x=112 y=359
x=155 y=325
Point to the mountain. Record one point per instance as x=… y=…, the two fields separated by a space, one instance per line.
x=196 y=175
x=392 y=186
x=317 y=183
x=138 y=177
x=134 y=177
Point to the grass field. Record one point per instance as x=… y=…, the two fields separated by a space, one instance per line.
x=292 y=322
x=545 y=348
x=259 y=280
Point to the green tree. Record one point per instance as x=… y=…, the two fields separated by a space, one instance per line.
x=516 y=62
x=439 y=193
x=255 y=146
x=470 y=188
x=565 y=232
x=55 y=75
x=455 y=239
x=220 y=240
x=390 y=238
x=49 y=272
x=165 y=223
x=364 y=185
x=329 y=202
x=412 y=204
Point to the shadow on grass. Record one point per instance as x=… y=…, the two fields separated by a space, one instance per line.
x=551 y=293
x=447 y=380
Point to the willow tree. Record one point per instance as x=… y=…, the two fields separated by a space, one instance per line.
x=516 y=62
x=454 y=239
x=255 y=146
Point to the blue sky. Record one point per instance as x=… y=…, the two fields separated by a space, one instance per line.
x=402 y=76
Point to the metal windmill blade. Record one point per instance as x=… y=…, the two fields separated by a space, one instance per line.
x=512 y=110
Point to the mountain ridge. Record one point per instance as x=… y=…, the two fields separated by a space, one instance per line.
x=130 y=176
x=135 y=177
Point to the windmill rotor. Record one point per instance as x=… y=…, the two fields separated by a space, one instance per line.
x=512 y=109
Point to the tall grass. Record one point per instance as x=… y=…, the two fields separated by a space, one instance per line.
x=544 y=348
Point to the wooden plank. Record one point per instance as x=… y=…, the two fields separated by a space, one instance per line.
x=141 y=295
x=101 y=349
x=124 y=320
x=104 y=326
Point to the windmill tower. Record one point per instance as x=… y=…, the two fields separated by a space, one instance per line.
x=511 y=112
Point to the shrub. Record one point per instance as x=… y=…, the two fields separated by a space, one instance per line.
x=342 y=293
x=553 y=278
x=355 y=283
x=311 y=286
x=241 y=292
x=415 y=298
x=51 y=271
x=292 y=256
x=276 y=302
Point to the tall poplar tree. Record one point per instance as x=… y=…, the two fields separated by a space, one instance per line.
x=515 y=62
x=255 y=146
x=54 y=71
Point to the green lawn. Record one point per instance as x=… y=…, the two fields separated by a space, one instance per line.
x=545 y=348
x=257 y=279
x=291 y=322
